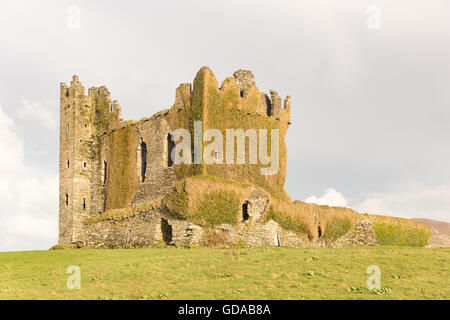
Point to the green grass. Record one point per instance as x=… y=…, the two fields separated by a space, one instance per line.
x=401 y=235
x=336 y=228
x=258 y=273
x=218 y=207
x=288 y=222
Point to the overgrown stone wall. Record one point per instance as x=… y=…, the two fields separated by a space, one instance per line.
x=148 y=228
x=145 y=229
x=361 y=235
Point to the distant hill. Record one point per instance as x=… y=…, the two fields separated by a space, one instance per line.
x=440 y=232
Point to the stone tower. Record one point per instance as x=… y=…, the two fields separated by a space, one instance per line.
x=74 y=168
x=82 y=174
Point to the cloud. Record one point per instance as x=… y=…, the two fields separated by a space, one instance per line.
x=29 y=198
x=408 y=200
x=412 y=200
x=331 y=198
x=11 y=147
x=38 y=111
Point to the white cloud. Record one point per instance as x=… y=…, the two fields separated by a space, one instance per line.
x=412 y=200
x=11 y=147
x=29 y=213
x=37 y=110
x=331 y=198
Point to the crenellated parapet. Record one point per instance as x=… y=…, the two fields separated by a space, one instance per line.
x=244 y=79
x=275 y=109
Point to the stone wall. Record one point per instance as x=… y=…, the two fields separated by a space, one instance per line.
x=150 y=228
x=142 y=230
x=361 y=235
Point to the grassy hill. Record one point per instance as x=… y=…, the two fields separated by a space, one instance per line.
x=257 y=273
x=440 y=232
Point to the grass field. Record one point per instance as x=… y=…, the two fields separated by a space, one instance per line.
x=258 y=273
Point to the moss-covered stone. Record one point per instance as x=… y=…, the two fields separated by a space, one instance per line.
x=122 y=176
x=216 y=208
x=125 y=213
x=289 y=222
x=336 y=228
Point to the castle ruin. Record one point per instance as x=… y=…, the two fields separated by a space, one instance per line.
x=119 y=186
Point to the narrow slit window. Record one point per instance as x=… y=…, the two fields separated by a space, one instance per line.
x=67 y=199
x=68 y=163
x=84 y=164
x=143 y=160
x=105 y=171
x=84 y=204
x=170 y=148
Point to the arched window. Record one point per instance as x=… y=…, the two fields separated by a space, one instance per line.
x=143 y=160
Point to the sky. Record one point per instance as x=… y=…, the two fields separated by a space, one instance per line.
x=369 y=82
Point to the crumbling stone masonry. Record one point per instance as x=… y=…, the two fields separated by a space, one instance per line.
x=119 y=187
